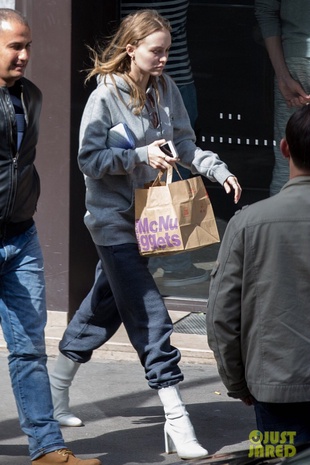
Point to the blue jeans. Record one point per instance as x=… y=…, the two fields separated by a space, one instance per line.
x=284 y=417
x=23 y=318
x=124 y=291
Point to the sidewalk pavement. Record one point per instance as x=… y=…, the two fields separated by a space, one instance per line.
x=123 y=416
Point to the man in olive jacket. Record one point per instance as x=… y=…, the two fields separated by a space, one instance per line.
x=258 y=315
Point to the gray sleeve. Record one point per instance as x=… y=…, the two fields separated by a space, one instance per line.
x=224 y=312
x=267 y=13
x=95 y=158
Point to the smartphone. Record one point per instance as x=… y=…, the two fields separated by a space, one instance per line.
x=169 y=149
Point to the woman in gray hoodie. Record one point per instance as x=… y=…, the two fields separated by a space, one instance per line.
x=132 y=90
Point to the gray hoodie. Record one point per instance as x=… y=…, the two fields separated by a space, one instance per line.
x=113 y=174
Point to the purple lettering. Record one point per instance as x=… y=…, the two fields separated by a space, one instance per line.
x=166 y=223
x=142 y=226
x=161 y=243
x=176 y=240
x=153 y=226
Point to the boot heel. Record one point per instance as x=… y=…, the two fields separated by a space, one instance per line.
x=169 y=444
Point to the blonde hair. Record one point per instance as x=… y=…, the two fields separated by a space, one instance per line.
x=114 y=59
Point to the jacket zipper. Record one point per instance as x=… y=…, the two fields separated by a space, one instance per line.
x=14 y=166
x=13 y=189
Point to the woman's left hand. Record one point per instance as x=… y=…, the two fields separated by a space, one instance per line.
x=230 y=184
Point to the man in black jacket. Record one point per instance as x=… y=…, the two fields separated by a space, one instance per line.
x=22 y=290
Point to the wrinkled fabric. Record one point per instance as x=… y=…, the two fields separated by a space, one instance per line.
x=258 y=317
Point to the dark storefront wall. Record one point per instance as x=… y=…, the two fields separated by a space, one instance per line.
x=234 y=81
x=61 y=29
x=50 y=69
x=234 y=85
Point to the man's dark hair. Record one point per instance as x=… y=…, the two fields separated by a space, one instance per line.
x=7 y=14
x=298 y=137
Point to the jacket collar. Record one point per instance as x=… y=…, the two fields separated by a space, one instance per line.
x=297 y=180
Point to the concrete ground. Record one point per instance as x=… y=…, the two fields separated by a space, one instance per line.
x=123 y=417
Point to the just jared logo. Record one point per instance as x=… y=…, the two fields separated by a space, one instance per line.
x=272 y=444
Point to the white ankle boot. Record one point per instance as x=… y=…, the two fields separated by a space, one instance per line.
x=60 y=381
x=179 y=432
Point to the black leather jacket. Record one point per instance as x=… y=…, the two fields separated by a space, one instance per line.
x=19 y=180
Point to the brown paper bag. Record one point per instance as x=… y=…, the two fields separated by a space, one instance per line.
x=174 y=217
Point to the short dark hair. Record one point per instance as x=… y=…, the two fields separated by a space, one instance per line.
x=297 y=135
x=7 y=14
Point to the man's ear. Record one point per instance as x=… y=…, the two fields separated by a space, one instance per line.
x=285 y=149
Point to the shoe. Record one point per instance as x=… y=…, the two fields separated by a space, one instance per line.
x=179 y=432
x=185 y=278
x=63 y=456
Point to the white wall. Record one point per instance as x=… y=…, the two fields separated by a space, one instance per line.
x=7 y=4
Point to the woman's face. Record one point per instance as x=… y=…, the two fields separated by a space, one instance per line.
x=150 y=56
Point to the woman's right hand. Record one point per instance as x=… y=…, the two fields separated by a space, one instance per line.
x=157 y=159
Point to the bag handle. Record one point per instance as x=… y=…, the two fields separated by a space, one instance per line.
x=169 y=172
